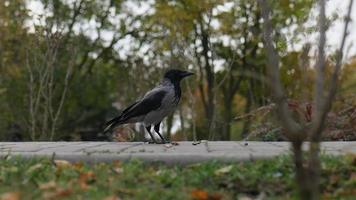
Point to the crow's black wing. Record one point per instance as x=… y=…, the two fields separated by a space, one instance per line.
x=151 y=101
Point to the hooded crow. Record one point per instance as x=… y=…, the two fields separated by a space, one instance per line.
x=157 y=103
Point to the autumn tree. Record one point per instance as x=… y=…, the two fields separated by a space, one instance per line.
x=307 y=169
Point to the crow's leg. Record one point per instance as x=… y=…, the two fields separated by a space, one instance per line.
x=148 y=128
x=159 y=134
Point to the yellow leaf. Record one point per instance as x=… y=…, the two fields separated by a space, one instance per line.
x=62 y=163
x=223 y=170
x=10 y=196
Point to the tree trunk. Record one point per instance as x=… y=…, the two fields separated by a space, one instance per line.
x=314 y=169
x=301 y=172
x=210 y=79
x=247 y=123
x=307 y=177
x=226 y=133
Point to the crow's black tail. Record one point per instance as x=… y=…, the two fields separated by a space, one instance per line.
x=110 y=125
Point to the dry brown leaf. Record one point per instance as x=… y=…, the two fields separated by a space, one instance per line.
x=83 y=185
x=215 y=196
x=64 y=192
x=86 y=178
x=48 y=185
x=353 y=158
x=10 y=196
x=116 y=163
x=59 y=193
x=198 y=194
x=353 y=176
x=112 y=198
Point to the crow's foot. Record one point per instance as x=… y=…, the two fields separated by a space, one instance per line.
x=150 y=142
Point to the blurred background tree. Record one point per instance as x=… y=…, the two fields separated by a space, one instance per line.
x=66 y=67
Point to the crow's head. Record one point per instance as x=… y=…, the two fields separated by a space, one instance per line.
x=176 y=75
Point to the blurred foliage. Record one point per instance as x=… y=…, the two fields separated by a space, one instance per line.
x=273 y=178
x=99 y=56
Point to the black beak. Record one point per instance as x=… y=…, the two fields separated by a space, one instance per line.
x=186 y=74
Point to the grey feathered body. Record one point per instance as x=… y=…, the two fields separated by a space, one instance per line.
x=168 y=105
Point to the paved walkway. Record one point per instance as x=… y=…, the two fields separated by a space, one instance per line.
x=183 y=153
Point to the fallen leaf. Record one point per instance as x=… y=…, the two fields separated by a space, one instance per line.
x=116 y=163
x=62 y=163
x=198 y=194
x=64 y=192
x=223 y=170
x=125 y=191
x=353 y=156
x=48 y=185
x=58 y=193
x=78 y=165
x=334 y=179
x=86 y=178
x=83 y=185
x=10 y=196
x=118 y=170
x=353 y=176
x=112 y=198
x=215 y=196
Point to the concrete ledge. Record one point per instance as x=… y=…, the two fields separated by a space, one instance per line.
x=184 y=153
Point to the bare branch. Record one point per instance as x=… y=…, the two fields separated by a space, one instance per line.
x=63 y=96
x=293 y=130
x=31 y=98
x=320 y=65
x=326 y=105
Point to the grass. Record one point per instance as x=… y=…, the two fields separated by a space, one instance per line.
x=45 y=179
